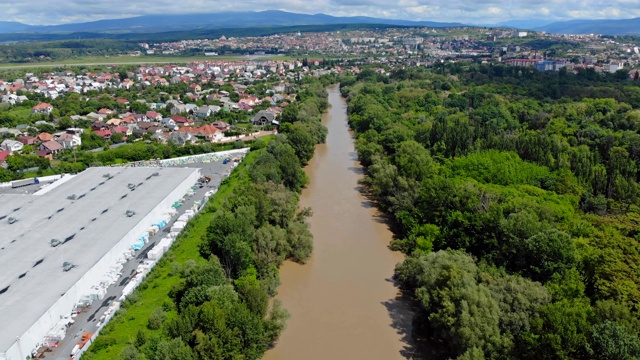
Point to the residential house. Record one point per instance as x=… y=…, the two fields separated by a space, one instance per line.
x=181 y=120
x=159 y=137
x=95 y=117
x=53 y=146
x=210 y=132
x=168 y=122
x=153 y=116
x=51 y=94
x=122 y=101
x=69 y=141
x=203 y=112
x=42 y=108
x=23 y=128
x=3 y=158
x=122 y=130
x=44 y=137
x=179 y=109
x=263 y=118
x=13 y=99
x=45 y=154
x=182 y=138
x=14 y=132
x=114 y=122
x=105 y=134
x=106 y=112
x=11 y=146
x=145 y=125
x=126 y=84
x=221 y=125
x=99 y=125
x=28 y=140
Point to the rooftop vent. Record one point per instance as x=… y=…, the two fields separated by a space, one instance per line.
x=106 y=175
x=66 y=266
x=130 y=213
x=11 y=220
x=55 y=242
x=72 y=197
x=155 y=174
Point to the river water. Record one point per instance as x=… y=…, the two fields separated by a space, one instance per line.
x=343 y=302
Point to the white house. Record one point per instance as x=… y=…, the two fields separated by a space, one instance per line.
x=12 y=146
x=69 y=141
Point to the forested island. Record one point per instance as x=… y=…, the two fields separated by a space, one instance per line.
x=514 y=194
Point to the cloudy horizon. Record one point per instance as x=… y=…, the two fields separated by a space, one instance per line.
x=46 y=12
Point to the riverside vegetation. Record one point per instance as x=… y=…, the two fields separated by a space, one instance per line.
x=209 y=297
x=514 y=194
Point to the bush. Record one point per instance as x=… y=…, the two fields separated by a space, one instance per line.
x=156 y=318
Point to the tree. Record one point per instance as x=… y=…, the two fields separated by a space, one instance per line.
x=137 y=107
x=156 y=318
x=130 y=353
x=548 y=253
x=301 y=141
x=454 y=309
x=612 y=341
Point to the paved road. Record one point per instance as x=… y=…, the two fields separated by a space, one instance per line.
x=88 y=320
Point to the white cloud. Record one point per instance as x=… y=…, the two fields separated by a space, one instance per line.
x=43 y=12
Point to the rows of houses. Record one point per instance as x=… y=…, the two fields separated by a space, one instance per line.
x=45 y=144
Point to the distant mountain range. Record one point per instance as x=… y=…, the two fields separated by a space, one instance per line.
x=606 y=27
x=136 y=26
x=182 y=22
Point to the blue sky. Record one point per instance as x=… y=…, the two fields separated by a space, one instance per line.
x=46 y=12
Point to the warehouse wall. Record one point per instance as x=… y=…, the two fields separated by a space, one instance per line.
x=63 y=307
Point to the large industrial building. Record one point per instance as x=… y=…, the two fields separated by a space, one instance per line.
x=57 y=245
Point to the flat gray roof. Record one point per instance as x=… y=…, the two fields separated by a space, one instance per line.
x=91 y=225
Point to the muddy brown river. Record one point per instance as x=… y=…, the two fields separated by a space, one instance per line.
x=343 y=303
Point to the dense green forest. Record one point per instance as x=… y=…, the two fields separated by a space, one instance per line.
x=218 y=305
x=515 y=195
x=61 y=50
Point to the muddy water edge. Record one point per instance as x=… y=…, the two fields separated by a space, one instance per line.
x=343 y=302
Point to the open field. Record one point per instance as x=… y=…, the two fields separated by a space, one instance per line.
x=138 y=60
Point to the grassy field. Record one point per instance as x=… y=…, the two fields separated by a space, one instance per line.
x=154 y=290
x=135 y=60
